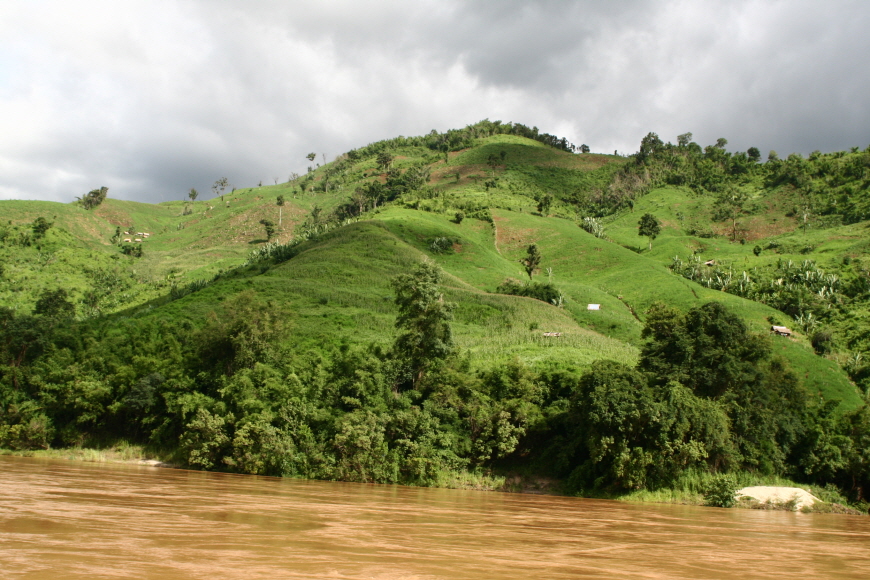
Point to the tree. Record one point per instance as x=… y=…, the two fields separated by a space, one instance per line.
x=650 y=227
x=532 y=259
x=385 y=160
x=270 y=228
x=192 y=194
x=721 y=142
x=425 y=336
x=649 y=146
x=754 y=154
x=458 y=217
x=729 y=207
x=544 y=204
x=494 y=161
x=54 y=304
x=134 y=250
x=360 y=199
x=220 y=185
x=40 y=226
x=280 y=203
x=375 y=191
x=805 y=208
x=314 y=216
x=311 y=156
x=618 y=423
x=684 y=139
x=93 y=198
x=709 y=349
x=773 y=156
x=584 y=148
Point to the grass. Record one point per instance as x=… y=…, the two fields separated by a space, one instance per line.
x=337 y=288
x=121 y=452
x=689 y=490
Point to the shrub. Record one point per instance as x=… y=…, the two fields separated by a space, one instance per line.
x=544 y=292
x=721 y=491
x=594 y=226
x=821 y=341
x=204 y=440
x=134 y=250
x=441 y=245
x=33 y=432
x=93 y=198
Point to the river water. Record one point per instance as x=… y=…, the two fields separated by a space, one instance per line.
x=64 y=519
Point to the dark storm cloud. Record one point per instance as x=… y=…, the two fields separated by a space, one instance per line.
x=153 y=97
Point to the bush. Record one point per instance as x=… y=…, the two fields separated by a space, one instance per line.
x=442 y=245
x=594 y=226
x=822 y=341
x=34 y=432
x=204 y=442
x=544 y=292
x=134 y=250
x=721 y=491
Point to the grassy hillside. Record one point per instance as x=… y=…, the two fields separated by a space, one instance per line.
x=218 y=234
x=338 y=292
x=290 y=346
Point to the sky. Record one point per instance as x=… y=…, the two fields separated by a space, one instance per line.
x=153 y=97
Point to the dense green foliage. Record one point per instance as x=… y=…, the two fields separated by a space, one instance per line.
x=94 y=198
x=649 y=227
x=458 y=139
x=799 y=212
x=721 y=491
x=543 y=291
x=707 y=394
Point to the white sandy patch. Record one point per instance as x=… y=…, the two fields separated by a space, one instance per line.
x=779 y=494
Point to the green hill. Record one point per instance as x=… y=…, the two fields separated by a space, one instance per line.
x=208 y=341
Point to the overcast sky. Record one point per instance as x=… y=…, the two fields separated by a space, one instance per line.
x=153 y=97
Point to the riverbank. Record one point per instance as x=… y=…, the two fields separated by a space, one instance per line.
x=114 y=454
x=686 y=491
x=689 y=490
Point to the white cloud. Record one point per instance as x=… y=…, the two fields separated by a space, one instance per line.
x=151 y=98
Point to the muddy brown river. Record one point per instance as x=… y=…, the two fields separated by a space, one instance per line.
x=62 y=520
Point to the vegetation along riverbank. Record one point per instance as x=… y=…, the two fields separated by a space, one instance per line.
x=484 y=307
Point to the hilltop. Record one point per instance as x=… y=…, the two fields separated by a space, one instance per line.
x=213 y=341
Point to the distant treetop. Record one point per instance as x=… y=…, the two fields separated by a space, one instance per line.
x=93 y=198
x=456 y=139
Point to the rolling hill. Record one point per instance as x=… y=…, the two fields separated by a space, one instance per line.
x=471 y=202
